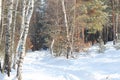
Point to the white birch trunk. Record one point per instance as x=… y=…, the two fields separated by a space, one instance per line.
x=23 y=16
x=8 y=36
x=73 y=27
x=65 y=18
x=18 y=49
x=1 y=21
x=24 y=37
x=13 y=37
x=67 y=29
x=51 y=47
x=0 y=10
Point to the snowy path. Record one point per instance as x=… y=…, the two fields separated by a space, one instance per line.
x=40 y=65
x=99 y=67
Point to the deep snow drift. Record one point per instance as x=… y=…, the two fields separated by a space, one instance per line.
x=90 y=65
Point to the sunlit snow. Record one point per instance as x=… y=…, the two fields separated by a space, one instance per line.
x=90 y=65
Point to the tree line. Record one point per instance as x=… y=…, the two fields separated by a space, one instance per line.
x=68 y=26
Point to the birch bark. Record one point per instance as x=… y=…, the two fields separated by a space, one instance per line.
x=7 y=62
x=51 y=47
x=0 y=11
x=13 y=36
x=67 y=29
x=1 y=21
x=73 y=27
x=22 y=26
x=24 y=37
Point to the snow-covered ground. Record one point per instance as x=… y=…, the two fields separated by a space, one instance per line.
x=40 y=65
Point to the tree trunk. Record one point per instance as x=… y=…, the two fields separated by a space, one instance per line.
x=0 y=10
x=1 y=27
x=101 y=47
x=116 y=30
x=7 y=62
x=73 y=27
x=24 y=37
x=22 y=24
x=117 y=19
x=113 y=22
x=67 y=29
x=18 y=49
x=51 y=47
x=13 y=36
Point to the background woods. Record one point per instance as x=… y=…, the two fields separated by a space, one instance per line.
x=76 y=24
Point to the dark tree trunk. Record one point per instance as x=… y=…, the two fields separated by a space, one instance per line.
x=113 y=22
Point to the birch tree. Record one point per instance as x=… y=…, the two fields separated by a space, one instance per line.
x=17 y=53
x=7 y=62
x=1 y=21
x=13 y=35
x=73 y=27
x=67 y=29
x=22 y=24
x=24 y=34
x=0 y=10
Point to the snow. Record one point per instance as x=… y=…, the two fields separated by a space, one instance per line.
x=90 y=65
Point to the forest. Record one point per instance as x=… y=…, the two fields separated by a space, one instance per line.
x=64 y=27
